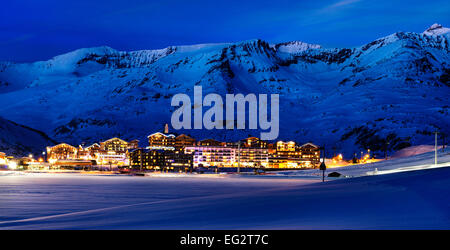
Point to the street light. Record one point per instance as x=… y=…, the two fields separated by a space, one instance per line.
x=323 y=167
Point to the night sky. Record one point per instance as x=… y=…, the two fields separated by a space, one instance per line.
x=39 y=30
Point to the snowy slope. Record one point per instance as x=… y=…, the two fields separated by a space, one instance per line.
x=394 y=89
x=20 y=140
x=396 y=164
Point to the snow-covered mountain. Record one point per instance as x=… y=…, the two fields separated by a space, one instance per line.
x=19 y=140
x=395 y=89
x=436 y=29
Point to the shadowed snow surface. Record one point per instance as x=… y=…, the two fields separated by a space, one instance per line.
x=409 y=200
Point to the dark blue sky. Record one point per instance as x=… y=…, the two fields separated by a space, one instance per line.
x=40 y=29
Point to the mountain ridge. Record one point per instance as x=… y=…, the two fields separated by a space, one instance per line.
x=393 y=88
x=20 y=140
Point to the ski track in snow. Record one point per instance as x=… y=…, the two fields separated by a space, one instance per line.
x=408 y=200
x=133 y=205
x=414 y=199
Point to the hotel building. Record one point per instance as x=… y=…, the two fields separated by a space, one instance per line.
x=160 y=140
x=289 y=155
x=160 y=159
x=110 y=152
x=224 y=156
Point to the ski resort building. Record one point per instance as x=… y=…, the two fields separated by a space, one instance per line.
x=160 y=159
x=289 y=155
x=183 y=140
x=118 y=145
x=62 y=151
x=225 y=156
x=161 y=140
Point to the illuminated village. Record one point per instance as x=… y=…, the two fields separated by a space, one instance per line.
x=177 y=153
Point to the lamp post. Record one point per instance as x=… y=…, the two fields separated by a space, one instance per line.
x=323 y=167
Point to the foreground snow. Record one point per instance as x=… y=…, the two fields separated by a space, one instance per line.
x=407 y=200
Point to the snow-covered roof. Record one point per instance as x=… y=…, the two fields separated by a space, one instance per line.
x=159 y=133
x=115 y=138
x=185 y=136
x=310 y=144
x=95 y=144
x=63 y=144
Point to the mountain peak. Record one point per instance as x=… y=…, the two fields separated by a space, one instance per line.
x=296 y=46
x=435 y=30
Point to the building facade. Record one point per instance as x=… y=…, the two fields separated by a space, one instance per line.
x=210 y=142
x=159 y=159
x=110 y=152
x=160 y=140
x=115 y=144
x=255 y=142
x=183 y=140
x=62 y=151
x=289 y=155
x=224 y=156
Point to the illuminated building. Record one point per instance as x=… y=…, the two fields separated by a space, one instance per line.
x=289 y=155
x=90 y=152
x=311 y=152
x=112 y=158
x=114 y=151
x=72 y=164
x=285 y=146
x=207 y=156
x=133 y=144
x=210 y=142
x=183 y=140
x=109 y=152
x=159 y=159
x=167 y=151
x=114 y=144
x=179 y=160
x=62 y=151
x=146 y=159
x=255 y=142
x=223 y=156
x=252 y=157
x=3 y=159
x=159 y=139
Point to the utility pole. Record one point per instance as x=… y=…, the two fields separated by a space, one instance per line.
x=435 y=147
x=239 y=157
x=140 y=160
